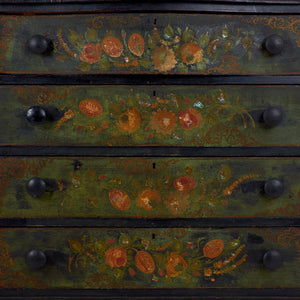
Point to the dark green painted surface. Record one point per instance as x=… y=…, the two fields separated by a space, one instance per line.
x=146 y=258
x=151 y=43
x=143 y=115
x=149 y=187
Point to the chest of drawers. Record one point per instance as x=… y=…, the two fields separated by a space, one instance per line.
x=149 y=150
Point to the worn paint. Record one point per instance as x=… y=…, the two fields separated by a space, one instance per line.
x=144 y=115
x=149 y=187
x=147 y=258
x=151 y=43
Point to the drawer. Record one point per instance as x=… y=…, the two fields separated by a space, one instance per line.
x=146 y=258
x=149 y=187
x=218 y=116
x=150 y=43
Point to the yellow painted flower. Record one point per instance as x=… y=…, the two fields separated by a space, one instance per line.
x=163 y=121
x=130 y=120
x=163 y=59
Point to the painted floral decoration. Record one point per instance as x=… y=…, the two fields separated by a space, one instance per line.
x=116 y=257
x=91 y=53
x=126 y=257
x=168 y=48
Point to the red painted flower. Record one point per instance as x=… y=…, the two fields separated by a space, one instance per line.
x=148 y=199
x=119 y=199
x=116 y=257
x=91 y=53
x=184 y=183
x=190 y=118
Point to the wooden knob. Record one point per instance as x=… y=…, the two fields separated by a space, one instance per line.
x=36 y=115
x=36 y=187
x=274 y=44
x=274 y=188
x=272 y=116
x=38 y=44
x=272 y=259
x=36 y=259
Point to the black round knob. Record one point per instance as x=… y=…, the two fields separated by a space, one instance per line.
x=36 y=187
x=38 y=44
x=274 y=188
x=274 y=44
x=273 y=116
x=36 y=114
x=36 y=259
x=272 y=259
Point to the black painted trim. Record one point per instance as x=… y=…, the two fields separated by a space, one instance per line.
x=164 y=293
x=146 y=151
x=229 y=222
x=46 y=7
x=145 y=297
x=139 y=79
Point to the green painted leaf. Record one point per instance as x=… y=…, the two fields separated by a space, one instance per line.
x=168 y=32
x=182 y=67
x=201 y=66
x=72 y=36
x=84 y=67
x=187 y=35
x=145 y=63
x=91 y=35
x=204 y=39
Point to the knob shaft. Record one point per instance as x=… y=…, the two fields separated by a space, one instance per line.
x=36 y=259
x=36 y=114
x=38 y=44
x=272 y=259
x=274 y=188
x=36 y=187
x=273 y=116
x=274 y=44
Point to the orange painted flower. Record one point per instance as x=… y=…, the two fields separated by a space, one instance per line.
x=144 y=262
x=163 y=58
x=177 y=202
x=91 y=53
x=91 y=108
x=190 y=118
x=130 y=120
x=163 y=121
x=191 y=53
x=116 y=257
x=175 y=265
x=112 y=46
x=136 y=44
x=119 y=199
x=213 y=248
x=184 y=183
x=148 y=199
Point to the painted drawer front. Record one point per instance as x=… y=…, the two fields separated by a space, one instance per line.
x=143 y=115
x=147 y=258
x=151 y=43
x=149 y=187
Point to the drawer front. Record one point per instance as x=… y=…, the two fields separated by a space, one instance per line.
x=147 y=258
x=151 y=43
x=215 y=116
x=149 y=187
